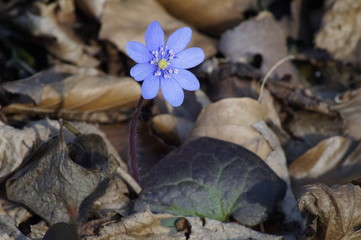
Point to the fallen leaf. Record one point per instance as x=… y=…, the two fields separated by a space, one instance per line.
x=260 y=35
x=214 y=179
x=333 y=211
x=146 y=225
x=58 y=38
x=75 y=94
x=339 y=34
x=51 y=181
x=62 y=231
x=334 y=160
x=230 y=120
x=8 y=230
x=210 y=16
x=92 y=8
x=133 y=18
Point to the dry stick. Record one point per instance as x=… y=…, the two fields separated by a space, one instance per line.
x=264 y=80
x=129 y=179
x=133 y=165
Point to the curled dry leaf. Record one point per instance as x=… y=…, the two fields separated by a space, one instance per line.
x=230 y=120
x=334 y=212
x=339 y=34
x=133 y=18
x=59 y=39
x=51 y=182
x=146 y=225
x=335 y=160
x=8 y=230
x=74 y=94
x=260 y=35
x=31 y=136
x=211 y=16
x=92 y=8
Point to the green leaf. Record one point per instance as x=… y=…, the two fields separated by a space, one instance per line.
x=62 y=231
x=214 y=179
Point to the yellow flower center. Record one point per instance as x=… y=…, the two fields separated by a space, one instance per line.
x=162 y=64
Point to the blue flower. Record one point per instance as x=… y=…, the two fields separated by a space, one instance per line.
x=164 y=66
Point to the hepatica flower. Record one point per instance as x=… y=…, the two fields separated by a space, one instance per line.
x=163 y=66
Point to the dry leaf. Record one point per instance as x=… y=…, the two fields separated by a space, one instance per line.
x=231 y=120
x=8 y=230
x=212 y=16
x=260 y=35
x=340 y=33
x=75 y=94
x=59 y=38
x=334 y=211
x=92 y=8
x=335 y=160
x=145 y=225
x=132 y=19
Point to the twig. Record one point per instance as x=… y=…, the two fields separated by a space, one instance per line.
x=264 y=80
x=129 y=179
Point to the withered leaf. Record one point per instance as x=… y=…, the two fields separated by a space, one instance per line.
x=230 y=120
x=260 y=35
x=212 y=16
x=214 y=179
x=58 y=38
x=133 y=17
x=334 y=211
x=51 y=182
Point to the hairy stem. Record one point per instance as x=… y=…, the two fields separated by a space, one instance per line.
x=132 y=151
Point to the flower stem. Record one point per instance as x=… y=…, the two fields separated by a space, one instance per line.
x=132 y=151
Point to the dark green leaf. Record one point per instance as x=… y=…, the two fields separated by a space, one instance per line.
x=214 y=179
x=62 y=231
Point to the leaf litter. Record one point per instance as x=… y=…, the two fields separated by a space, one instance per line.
x=302 y=137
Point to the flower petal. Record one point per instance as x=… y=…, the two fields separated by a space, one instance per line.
x=186 y=80
x=179 y=40
x=142 y=70
x=150 y=87
x=154 y=36
x=138 y=52
x=188 y=58
x=172 y=91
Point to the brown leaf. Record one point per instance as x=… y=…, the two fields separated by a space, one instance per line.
x=230 y=120
x=74 y=94
x=334 y=211
x=132 y=19
x=92 y=8
x=212 y=16
x=335 y=160
x=339 y=34
x=260 y=35
x=146 y=225
x=59 y=39
x=51 y=182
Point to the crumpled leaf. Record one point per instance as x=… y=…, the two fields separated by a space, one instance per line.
x=75 y=94
x=339 y=34
x=211 y=16
x=31 y=136
x=334 y=211
x=260 y=35
x=146 y=225
x=133 y=18
x=335 y=160
x=230 y=120
x=215 y=179
x=50 y=183
x=59 y=38
x=92 y=8
x=8 y=230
